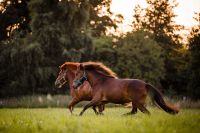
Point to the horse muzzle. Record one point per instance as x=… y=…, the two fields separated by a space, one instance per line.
x=59 y=84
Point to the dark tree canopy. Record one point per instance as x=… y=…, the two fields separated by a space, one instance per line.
x=58 y=34
x=194 y=51
x=158 y=19
x=100 y=17
x=140 y=57
x=14 y=15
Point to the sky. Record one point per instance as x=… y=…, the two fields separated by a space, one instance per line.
x=184 y=11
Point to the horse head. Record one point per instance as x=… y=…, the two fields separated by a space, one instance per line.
x=62 y=77
x=67 y=71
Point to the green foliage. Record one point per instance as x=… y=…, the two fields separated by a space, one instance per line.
x=140 y=57
x=194 y=51
x=61 y=33
x=104 y=51
x=134 y=56
x=58 y=34
x=14 y=16
x=158 y=19
x=60 y=120
x=100 y=17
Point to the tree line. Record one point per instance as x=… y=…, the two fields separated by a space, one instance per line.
x=38 y=35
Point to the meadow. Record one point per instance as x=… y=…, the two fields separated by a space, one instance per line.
x=59 y=120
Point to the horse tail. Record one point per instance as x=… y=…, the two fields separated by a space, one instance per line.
x=157 y=96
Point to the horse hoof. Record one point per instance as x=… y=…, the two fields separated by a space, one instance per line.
x=81 y=114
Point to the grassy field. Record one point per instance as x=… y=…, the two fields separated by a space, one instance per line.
x=44 y=101
x=58 y=120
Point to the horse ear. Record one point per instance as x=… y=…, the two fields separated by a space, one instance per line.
x=81 y=66
x=62 y=67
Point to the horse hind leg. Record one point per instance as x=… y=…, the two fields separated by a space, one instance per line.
x=133 y=111
x=94 y=108
x=134 y=108
x=92 y=103
x=140 y=101
x=143 y=109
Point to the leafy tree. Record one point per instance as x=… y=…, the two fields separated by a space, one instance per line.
x=158 y=19
x=140 y=57
x=100 y=17
x=58 y=34
x=105 y=51
x=14 y=15
x=194 y=50
x=61 y=28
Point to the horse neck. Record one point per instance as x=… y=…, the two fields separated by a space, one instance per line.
x=95 y=78
x=70 y=76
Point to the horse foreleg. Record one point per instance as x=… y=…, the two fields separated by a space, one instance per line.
x=101 y=109
x=94 y=108
x=143 y=109
x=92 y=103
x=71 y=104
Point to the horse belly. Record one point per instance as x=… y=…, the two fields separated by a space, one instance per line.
x=119 y=101
x=118 y=96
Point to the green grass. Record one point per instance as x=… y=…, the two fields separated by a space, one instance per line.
x=58 y=120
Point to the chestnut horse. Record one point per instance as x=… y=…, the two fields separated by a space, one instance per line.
x=84 y=93
x=120 y=91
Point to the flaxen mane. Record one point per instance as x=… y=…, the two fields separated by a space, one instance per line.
x=100 y=67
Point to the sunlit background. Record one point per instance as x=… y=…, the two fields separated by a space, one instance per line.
x=184 y=11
